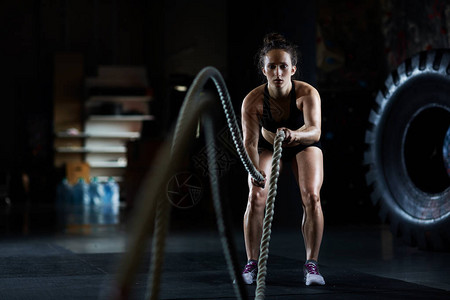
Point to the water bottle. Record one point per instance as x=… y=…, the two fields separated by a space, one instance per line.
x=96 y=193
x=111 y=201
x=81 y=202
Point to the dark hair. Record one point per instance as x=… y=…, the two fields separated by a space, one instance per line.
x=276 y=41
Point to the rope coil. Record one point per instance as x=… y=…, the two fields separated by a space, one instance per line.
x=154 y=211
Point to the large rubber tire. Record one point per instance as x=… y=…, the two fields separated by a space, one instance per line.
x=406 y=165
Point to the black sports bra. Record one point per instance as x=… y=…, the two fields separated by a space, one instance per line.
x=294 y=121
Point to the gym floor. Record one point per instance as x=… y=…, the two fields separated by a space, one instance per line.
x=80 y=262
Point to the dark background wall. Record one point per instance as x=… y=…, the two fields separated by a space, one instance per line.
x=348 y=48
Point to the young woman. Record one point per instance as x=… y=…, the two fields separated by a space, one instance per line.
x=294 y=107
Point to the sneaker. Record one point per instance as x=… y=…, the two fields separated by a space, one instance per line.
x=312 y=275
x=250 y=272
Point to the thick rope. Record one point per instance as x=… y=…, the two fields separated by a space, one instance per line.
x=193 y=93
x=155 y=212
x=267 y=225
x=159 y=242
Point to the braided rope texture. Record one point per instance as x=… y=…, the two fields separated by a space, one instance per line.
x=194 y=91
x=267 y=224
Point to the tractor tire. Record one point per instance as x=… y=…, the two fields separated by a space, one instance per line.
x=406 y=143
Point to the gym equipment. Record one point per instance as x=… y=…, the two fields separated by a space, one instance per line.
x=405 y=156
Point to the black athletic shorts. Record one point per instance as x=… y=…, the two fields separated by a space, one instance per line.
x=287 y=153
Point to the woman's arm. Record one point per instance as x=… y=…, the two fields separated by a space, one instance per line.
x=250 y=131
x=250 y=128
x=311 y=131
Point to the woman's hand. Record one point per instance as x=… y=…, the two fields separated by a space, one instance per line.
x=288 y=135
x=262 y=183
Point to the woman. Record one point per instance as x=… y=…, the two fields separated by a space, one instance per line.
x=294 y=107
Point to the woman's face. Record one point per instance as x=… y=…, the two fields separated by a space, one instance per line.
x=278 y=68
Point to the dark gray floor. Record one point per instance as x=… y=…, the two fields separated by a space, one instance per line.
x=358 y=262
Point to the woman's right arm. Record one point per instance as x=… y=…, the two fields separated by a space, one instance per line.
x=250 y=129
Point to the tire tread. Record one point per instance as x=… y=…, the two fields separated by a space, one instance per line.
x=431 y=61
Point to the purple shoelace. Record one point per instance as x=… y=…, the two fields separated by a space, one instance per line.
x=250 y=267
x=312 y=268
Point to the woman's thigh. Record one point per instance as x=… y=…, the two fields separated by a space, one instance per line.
x=308 y=170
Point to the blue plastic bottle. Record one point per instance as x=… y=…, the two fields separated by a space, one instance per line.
x=81 y=192
x=111 y=202
x=96 y=193
x=81 y=202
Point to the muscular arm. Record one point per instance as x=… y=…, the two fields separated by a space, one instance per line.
x=311 y=131
x=250 y=127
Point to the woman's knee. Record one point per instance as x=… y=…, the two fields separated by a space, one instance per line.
x=311 y=199
x=257 y=198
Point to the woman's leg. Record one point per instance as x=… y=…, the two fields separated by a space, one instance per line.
x=308 y=169
x=254 y=214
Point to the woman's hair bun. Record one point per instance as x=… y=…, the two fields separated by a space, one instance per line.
x=274 y=39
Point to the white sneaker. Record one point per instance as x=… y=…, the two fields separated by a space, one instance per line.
x=250 y=272
x=311 y=273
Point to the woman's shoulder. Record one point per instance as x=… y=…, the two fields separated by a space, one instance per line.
x=255 y=95
x=254 y=100
x=303 y=88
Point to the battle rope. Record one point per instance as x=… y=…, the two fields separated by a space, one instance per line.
x=267 y=225
x=155 y=212
x=194 y=92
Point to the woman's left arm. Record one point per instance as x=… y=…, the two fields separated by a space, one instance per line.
x=310 y=132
